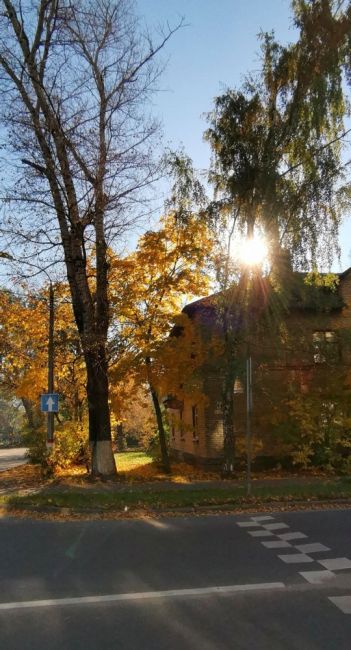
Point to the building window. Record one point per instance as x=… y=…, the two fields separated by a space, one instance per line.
x=325 y=346
x=218 y=408
x=194 y=416
x=238 y=387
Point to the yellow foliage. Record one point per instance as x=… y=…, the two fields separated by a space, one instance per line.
x=148 y=290
x=24 y=346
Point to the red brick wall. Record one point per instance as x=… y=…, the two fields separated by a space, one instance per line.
x=274 y=368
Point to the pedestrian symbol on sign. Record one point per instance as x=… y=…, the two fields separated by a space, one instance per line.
x=49 y=403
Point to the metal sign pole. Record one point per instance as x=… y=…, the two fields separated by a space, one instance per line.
x=248 y=424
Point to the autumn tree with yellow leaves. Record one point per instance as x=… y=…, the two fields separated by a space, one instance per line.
x=149 y=288
x=24 y=351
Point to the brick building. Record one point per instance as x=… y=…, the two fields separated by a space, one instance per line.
x=306 y=347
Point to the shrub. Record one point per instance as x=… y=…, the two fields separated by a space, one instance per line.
x=70 y=448
x=35 y=441
x=154 y=448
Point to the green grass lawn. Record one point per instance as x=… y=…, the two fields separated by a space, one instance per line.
x=129 y=460
x=136 y=497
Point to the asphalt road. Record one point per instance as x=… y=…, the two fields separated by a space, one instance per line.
x=12 y=457
x=153 y=584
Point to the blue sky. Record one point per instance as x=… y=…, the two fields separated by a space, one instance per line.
x=217 y=47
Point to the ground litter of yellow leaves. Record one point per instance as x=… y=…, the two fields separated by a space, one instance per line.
x=133 y=468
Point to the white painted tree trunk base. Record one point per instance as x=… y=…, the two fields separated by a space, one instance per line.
x=102 y=458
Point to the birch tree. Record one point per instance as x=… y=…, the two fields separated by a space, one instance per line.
x=277 y=165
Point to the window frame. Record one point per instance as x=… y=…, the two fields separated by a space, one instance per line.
x=325 y=347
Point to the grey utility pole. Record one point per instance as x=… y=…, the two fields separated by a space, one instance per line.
x=51 y=415
x=248 y=424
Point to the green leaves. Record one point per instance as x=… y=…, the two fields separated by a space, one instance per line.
x=276 y=140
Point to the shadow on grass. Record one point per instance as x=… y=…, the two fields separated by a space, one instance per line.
x=141 y=484
x=132 y=497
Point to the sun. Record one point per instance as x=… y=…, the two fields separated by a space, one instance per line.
x=253 y=251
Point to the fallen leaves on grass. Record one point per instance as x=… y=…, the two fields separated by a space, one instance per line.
x=71 y=472
x=22 y=477
x=181 y=473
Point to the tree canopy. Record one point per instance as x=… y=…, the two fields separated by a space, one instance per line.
x=276 y=141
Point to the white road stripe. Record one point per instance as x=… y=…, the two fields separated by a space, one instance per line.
x=342 y=602
x=260 y=533
x=290 y=536
x=312 y=548
x=275 y=526
x=143 y=595
x=317 y=577
x=276 y=544
x=296 y=558
x=262 y=518
x=247 y=524
x=336 y=563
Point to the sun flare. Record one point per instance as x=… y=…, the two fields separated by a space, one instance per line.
x=253 y=251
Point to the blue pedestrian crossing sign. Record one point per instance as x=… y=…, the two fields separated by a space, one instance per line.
x=49 y=403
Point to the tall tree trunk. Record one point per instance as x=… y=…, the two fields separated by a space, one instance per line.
x=28 y=408
x=161 y=432
x=102 y=458
x=92 y=323
x=120 y=437
x=158 y=413
x=33 y=415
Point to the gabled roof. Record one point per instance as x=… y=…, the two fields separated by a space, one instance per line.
x=299 y=297
x=344 y=273
x=204 y=305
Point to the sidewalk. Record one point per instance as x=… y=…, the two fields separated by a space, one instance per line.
x=12 y=457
